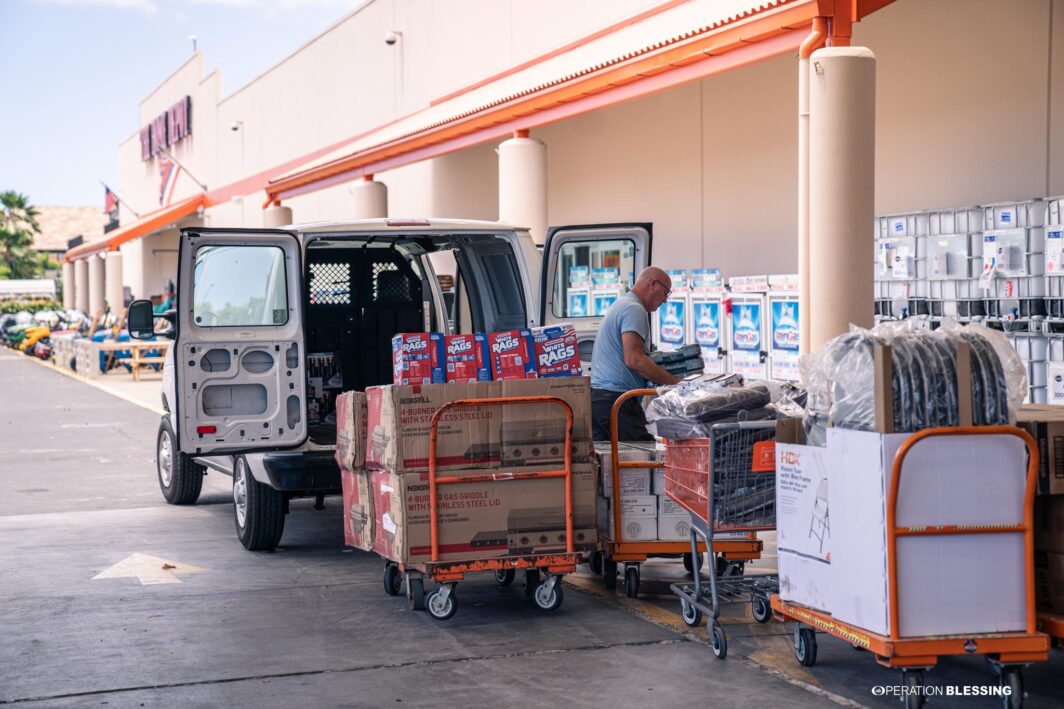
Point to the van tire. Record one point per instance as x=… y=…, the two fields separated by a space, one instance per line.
x=180 y=479
x=258 y=510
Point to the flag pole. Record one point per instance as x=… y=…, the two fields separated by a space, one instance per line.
x=119 y=199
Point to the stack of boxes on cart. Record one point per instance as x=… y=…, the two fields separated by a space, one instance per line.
x=383 y=443
x=834 y=474
x=647 y=513
x=749 y=326
x=997 y=264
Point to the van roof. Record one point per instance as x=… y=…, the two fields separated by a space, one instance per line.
x=400 y=224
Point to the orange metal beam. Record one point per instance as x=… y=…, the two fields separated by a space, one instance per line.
x=143 y=226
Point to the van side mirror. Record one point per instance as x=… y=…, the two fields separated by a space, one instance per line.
x=141 y=320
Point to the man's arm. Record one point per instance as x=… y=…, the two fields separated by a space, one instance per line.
x=640 y=363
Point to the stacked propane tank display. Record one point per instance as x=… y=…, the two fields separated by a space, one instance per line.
x=758 y=338
x=999 y=265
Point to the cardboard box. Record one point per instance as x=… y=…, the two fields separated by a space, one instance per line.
x=667 y=507
x=358 y=509
x=674 y=528
x=399 y=417
x=957 y=584
x=639 y=520
x=1046 y=425
x=555 y=352
x=351 y=430
x=480 y=520
x=1049 y=523
x=634 y=481
x=1049 y=581
x=466 y=358
x=511 y=355
x=417 y=358
x=803 y=526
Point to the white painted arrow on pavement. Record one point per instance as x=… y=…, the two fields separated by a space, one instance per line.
x=150 y=570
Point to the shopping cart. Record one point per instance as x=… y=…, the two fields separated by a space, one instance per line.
x=543 y=571
x=732 y=553
x=1006 y=653
x=727 y=482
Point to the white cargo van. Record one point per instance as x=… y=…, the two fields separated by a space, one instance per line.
x=260 y=310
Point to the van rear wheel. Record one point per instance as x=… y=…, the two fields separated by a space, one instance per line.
x=258 y=510
x=180 y=479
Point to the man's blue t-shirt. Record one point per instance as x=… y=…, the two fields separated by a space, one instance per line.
x=608 y=370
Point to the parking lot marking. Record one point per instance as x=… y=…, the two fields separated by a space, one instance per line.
x=149 y=570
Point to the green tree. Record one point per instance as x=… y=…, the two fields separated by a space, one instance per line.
x=18 y=224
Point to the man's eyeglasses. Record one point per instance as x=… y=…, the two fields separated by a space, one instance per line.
x=668 y=291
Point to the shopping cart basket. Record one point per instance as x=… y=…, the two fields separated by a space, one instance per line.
x=728 y=484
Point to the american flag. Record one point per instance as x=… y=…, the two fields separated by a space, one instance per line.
x=166 y=178
x=110 y=201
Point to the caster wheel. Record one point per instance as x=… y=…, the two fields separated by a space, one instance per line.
x=594 y=562
x=1012 y=677
x=504 y=577
x=805 y=646
x=609 y=573
x=631 y=581
x=718 y=640
x=689 y=565
x=760 y=609
x=416 y=590
x=914 y=686
x=531 y=582
x=393 y=580
x=691 y=615
x=548 y=600
x=439 y=607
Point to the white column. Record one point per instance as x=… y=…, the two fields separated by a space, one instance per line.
x=96 y=285
x=81 y=285
x=370 y=198
x=523 y=184
x=116 y=297
x=842 y=131
x=276 y=217
x=68 y=286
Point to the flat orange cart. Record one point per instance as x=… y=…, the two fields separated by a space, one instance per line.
x=1052 y=625
x=543 y=571
x=1006 y=653
x=733 y=553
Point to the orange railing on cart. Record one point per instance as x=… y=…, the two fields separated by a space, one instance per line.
x=617 y=464
x=435 y=480
x=1026 y=527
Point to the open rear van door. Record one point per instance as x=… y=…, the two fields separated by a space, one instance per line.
x=239 y=352
x=585 y=269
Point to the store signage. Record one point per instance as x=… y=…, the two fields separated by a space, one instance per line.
x=168 y=128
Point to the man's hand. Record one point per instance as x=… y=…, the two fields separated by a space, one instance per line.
x=639 y=362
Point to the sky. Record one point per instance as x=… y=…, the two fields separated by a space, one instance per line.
x=77 y=70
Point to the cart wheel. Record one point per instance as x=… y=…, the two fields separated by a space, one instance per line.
x=594 y=562
x=548 y=599
x=1012 y=677
x=805 y=646
x=689 y=565
x=760 y=608
x=631 y=581
x=416 y=589
x=609 y=573
x=914 y=689
x=393 y=580
x=531 y=582
x=691 y=615
x=718 y=640
x=504 y=577
x=441 y=607
x=726 y=567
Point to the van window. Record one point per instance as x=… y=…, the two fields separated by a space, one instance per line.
x=591 y=275
x=239 y=286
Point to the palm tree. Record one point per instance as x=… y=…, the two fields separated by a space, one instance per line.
x=18 y=224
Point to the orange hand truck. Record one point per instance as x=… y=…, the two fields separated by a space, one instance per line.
x=1006 y=653
x=733 y=552
x=544 y=591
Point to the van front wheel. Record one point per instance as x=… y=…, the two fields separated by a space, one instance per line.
x=179 y=478
x=258 y=510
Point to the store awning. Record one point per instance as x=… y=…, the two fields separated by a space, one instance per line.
x=147 y=224
x=670 y=44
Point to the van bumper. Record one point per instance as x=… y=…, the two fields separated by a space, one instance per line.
x=301 y=472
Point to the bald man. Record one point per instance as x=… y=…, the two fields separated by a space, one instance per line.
x=619 y=361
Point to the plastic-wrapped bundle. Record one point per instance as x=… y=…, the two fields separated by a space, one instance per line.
x=708 y=402
x=924 y=384
x=678 y=428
